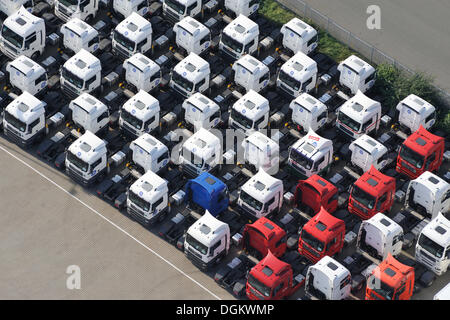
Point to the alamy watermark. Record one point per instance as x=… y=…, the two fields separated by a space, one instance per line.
x=73 y=281
x=373 y=22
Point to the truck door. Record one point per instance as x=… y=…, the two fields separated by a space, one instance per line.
x=292 y=40
x=409 y=117
x=361 y=158
x=348 y=76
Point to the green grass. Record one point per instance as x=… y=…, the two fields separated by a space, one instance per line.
x=272 y=11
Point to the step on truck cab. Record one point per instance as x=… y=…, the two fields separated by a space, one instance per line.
x=390 y=280
x=142 y=73
x=9 y=7
x=190 y=75
x=356 y=74
x=139 y=114
x=367 y=152
x=86 y=159
x=201 y=112
x=308 y=113
x=373 y=192
x=149 y=154
x=176 y=10
x=261 y=196
x=239 y=37
x=124 y=8
x=261 y=152
x=358 y=116
x=328 y=280
x=428 y=194
x=192 y=35
x=89 y=114
x=22 y=34
x=311 y=154
x=299 y=36
x=250 y=113
x=414 y=112
x=81 y=73
x=27 y=75
x=206 y=192
x=245 y=7
x=297 y=75
x=323 y=235
x=433 y=245
x=421 y=151
x=316 y=192
x=148 y=199
x=24 y=119
x=85 y=10
x=201 y=152
x=251 y=74
x=132 y=35
x=378 y=237
x=207 y=241
x=78 y=35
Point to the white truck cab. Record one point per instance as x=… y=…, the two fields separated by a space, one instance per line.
x=250 y=112
x=22 y=34
x=297 y=75
x=443 y=294
x=311 y=154
x=366 y=151
x=190 y=75
x=201 y=112
x=433 y=245
x=85 y=10
x=148 y=199
x=207 y=241
x=379 y=236
x=308 y=112
x=24 y=119
x=27 y=75
x=414 y=112
x=81 y=73
x=261 y=152
x=251 y=74
x=149 y=153
x=86 y=159
x=201 y=152
x=142 y=72
x=358 y=116
x=429 y=192
x=244 y=7
x=192 y=35
x=126 y=7
x=78 y=35
x=140 y=114
x=89 y=113
x=8 y=7
x=328 y=280
x=132 y=35
x=239 y=37
x=176 y=10
x=261 y=195
x=299 y=36
x=356 y=74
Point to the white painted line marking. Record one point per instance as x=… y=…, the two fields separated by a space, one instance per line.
x=112 y=223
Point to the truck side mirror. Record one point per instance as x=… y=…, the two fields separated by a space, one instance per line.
x=448 y=253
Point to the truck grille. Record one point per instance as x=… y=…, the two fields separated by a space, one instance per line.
x=228 y=52
x=128 y=130
x=286 y=89
x=345 y=130
x=69 y=91
x=10 y=51
x=195 y=258
x=12 y=135
x=63 y=13
x=73 y=173
x=121 y=52
x=138 y=216
x=171 y=16
x=428 y=257
x=189 y=170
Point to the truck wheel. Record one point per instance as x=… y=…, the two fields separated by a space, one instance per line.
x=89 y=18
x=35 y=55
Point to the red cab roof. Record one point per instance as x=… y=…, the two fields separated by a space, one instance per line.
x=268 y=269
x=320 y=184
x=373 y=181
x=392 y=271
x=268 y=228
x=322 y=225
x=422 y=141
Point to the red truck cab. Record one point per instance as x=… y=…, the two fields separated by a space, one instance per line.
x=323 y=235
x=421 y=151
x=315 y=192
x=390 y=280
x=264 y=235
x=373 y=192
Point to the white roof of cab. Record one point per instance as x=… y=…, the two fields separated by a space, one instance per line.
x=358 y=65
x=300 y=27
x=82 y=63
x=299 y=66
x=79 y=27
x=207 y=229
x=87 y=146
x=141 y=104
x=261 y=185
x=89 y=103
x=133 y=26
x=438 y=230
x=144 y=63
x=252 y=64
x=150 y=144
x=26 y=107
x=384 y=223
x=311 y=143
x=433 y=182
x=192 y=66
x=201 y=142
x=27 y=66
x=331 y=267
x=372 y=146
x=416 y=103
x=149 y=185
x=22 y=21
x=201 y=102
x=262 y=142
x=252 y=104
x=309 y=103
x=241 y=29
x=359 y=105
x=192 y=26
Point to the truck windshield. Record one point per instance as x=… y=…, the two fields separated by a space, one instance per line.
x=380 y=287
x=77 y=162
x=131 y=119
x=138 y=201
x=349 y=122
x=72 y=78
x=312 y=241
x=363 y=197
x=259 y=286
x=16 y=123
x=69 y=3
x=412 y=157
x=249 y=200
x=231 y=42
x=197 y=245
x=124 y=41
x=175 y=5
x=182 y=82
x=287 y=79
x=241 y=119
x=12 y=37
x=431 y=246
x=302 y=160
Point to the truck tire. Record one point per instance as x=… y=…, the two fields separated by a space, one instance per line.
x=35 y=55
